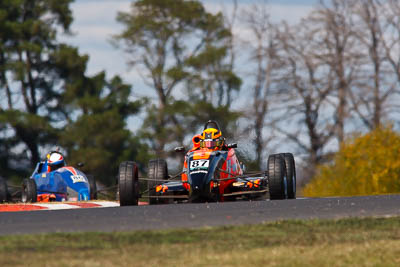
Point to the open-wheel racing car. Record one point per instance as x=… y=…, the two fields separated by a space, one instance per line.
x=53 y=180
x=211 y=172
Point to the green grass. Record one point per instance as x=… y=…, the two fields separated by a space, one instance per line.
x=346 y=242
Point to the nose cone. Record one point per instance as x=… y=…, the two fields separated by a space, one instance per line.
x=200 y=189
x=197 y=191
x=198 y=183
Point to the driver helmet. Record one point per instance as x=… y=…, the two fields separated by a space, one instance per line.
x=55 y=160
x=212 y=137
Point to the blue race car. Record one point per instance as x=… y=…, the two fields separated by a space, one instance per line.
x=53 y=180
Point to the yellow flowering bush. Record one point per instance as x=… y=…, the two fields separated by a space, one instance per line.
x=364 y=165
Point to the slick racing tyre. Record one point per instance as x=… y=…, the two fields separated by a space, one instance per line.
x=291 y=175
x=93 y=187
x=3 y=190
x=128 y=184
x=29 y=193
x=157 y=172
x=277 y=177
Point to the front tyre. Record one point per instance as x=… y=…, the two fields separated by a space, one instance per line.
x=291 y=175
x=29 y=191
x=157 y=172
x=277 y=177
x=3 y=190
x=93 y=187
x=128 y=184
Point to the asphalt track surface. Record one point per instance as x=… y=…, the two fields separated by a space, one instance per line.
x=195 y=215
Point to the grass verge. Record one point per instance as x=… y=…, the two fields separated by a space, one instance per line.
x=345 y=242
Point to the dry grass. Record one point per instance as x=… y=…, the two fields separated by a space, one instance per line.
x=347 y=242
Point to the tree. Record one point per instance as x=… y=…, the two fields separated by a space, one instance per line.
x=264 y=48
x=49 y=99
x=27 y=42
x=97 y=134
x=391 y=42
x=375 y=95
x=171 y=40
x=305 y=101
x=391 y=45
x=364 y=165
x=338 y=50
x=359 y=43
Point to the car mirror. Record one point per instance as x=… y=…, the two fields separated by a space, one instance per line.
x=80 y=164
x=179 y=149
x=233 y=145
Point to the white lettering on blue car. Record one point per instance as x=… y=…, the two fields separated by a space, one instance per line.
x=78 y=178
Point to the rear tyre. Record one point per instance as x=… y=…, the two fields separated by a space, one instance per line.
x=291 y=175
x=277 y=177
x=157 y=172
x=3 y=190
x=29 y=191
x=93 y=187
x=128 y=184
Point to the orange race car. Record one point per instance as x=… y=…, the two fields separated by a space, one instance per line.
x=211 y=172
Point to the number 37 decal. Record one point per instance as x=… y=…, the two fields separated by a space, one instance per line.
x=199 y=164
